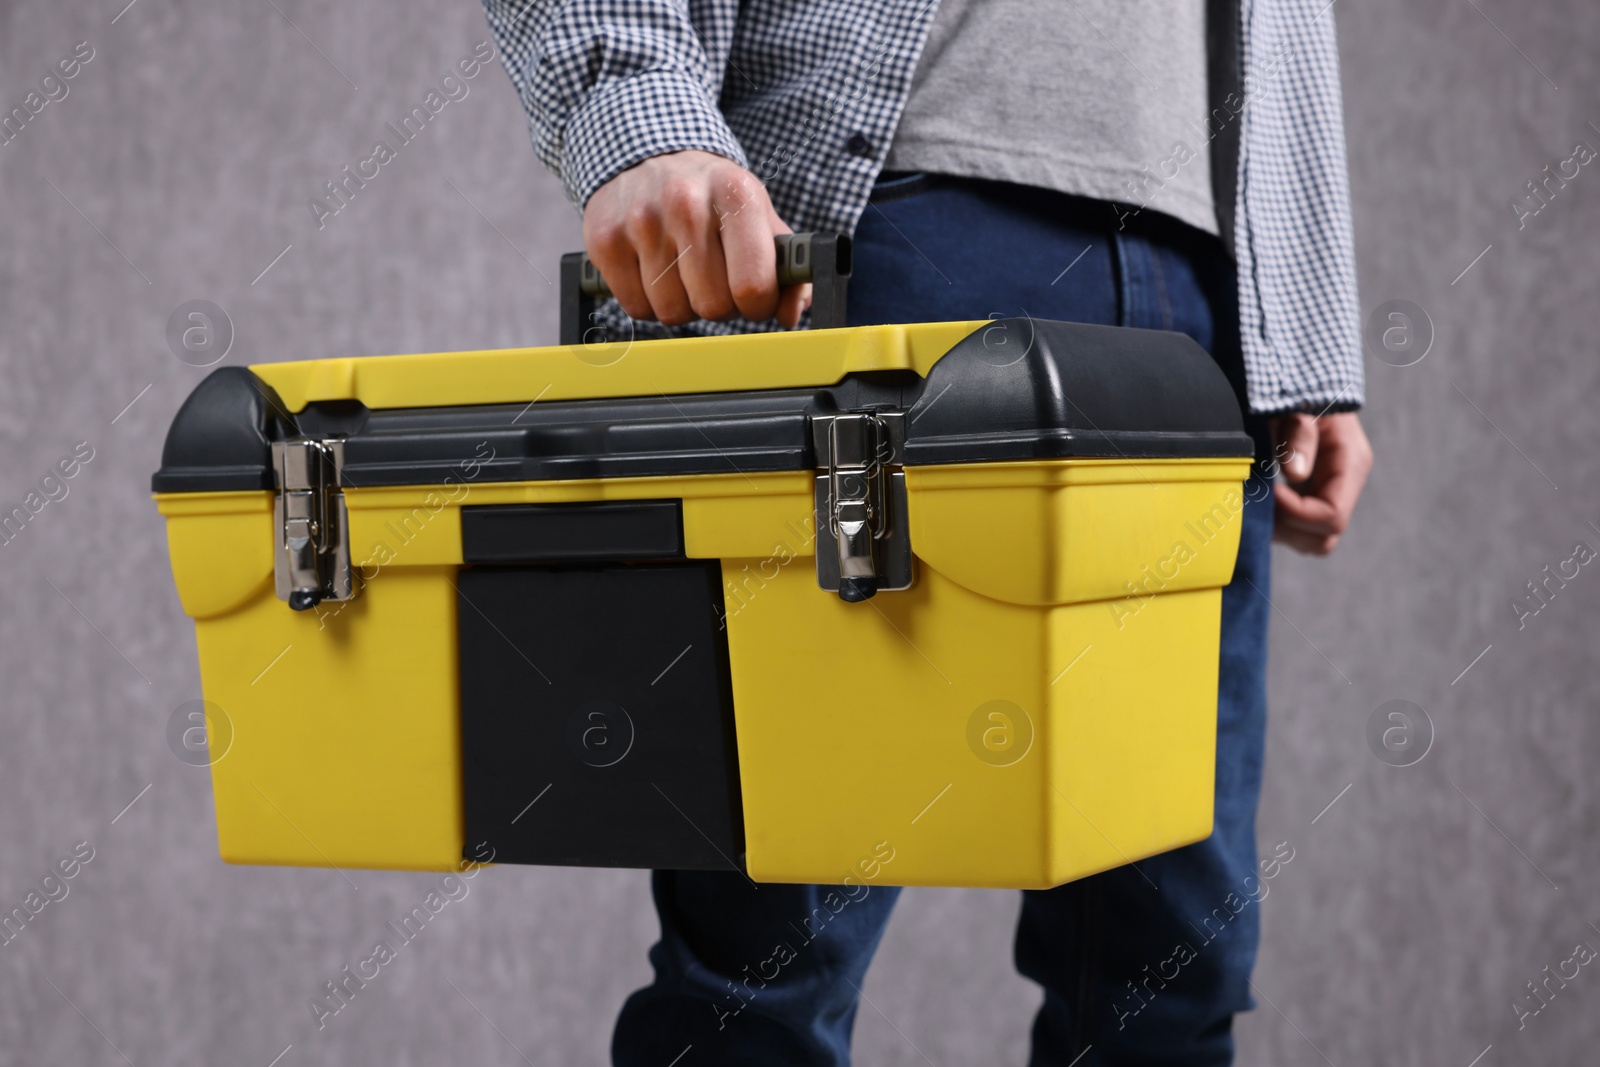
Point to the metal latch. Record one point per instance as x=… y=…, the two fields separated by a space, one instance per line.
x=312 y=560
x=863 y=538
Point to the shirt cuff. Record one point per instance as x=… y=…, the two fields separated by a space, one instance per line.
x=627 y=120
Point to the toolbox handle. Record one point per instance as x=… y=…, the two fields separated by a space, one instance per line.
x=823 y=259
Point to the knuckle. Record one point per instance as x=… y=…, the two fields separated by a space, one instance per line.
x=637 y=309
x=606 y=239
x=641 y=219
x=713 y=307
x=694 y=214
x=741 y=182
x=680 y=195
x=753 y=292
x=738 y=190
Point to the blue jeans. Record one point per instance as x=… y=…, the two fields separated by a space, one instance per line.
x=936 y=248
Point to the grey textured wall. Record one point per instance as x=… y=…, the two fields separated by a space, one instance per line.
x=178 y=167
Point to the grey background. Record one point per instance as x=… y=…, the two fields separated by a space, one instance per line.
x=1416 y=907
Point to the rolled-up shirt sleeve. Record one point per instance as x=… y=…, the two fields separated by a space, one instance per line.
x=607 y=84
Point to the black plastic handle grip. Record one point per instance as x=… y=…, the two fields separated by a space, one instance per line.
x=823 y=259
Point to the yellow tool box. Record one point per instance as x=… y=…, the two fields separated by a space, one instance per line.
x=786 y=603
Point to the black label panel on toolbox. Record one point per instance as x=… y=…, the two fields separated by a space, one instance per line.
x=597 y=716
x=565 y=533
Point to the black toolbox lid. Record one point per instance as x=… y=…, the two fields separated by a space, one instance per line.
x=1013 y=389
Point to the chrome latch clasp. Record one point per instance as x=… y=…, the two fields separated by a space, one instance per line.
x=312 y=557
x=863 y=539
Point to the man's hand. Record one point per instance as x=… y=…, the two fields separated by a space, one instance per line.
x=689 y=235
x=1325 y=462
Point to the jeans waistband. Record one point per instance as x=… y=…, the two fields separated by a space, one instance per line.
x=1099 y=216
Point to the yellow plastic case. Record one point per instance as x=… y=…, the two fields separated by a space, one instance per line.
x=1038 y=705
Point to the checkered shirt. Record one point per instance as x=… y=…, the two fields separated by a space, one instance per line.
x=807 y=94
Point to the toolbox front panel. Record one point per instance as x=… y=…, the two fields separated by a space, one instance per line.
x=346 y=740
x=853 y=724
x=983 y=741
x=352 y=734
x=1133 y=730
x=954 y=752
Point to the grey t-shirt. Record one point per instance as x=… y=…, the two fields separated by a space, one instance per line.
x=1101 y=98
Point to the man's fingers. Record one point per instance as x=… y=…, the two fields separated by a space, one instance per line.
x=1344 y=459
x=664 y=288
x=1310 y=544
x=1322 y=480
x=793 y=303
x=1305 y=512
x=1339 y=487
x=747 y=228
x=622 y=275
x=686 y=206
x=1296 y=435
x=1348 y=461
x=617 y=263
x=1302 y=523
x=705 y=278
